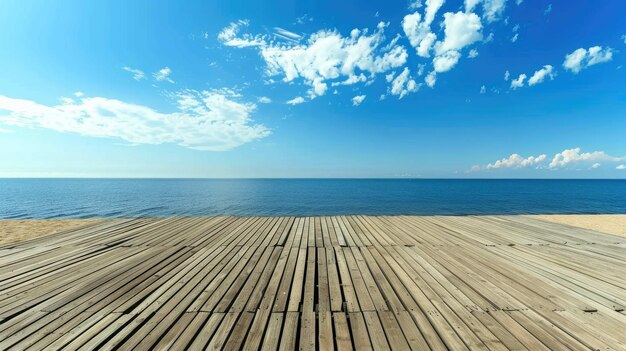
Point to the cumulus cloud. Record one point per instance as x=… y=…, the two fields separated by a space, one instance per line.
x=519 y=82
x=163 y=75
x=357 y=100
x=295 y=101
x=581 y=58
x=460 y=29
x=403 y=84
x=418 y=30
x=207 y=120
x=569 y=157
x=621 y=167
x=325 y=56
x=431 y=79
x=137 y=73
x=264 y=100
x=517 y=161
x=540 y=75
x=473 y=53
x=446 y=61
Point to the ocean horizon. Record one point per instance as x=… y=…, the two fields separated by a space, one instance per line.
x=44 y=198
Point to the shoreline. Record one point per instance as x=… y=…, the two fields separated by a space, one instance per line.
x=19 y=230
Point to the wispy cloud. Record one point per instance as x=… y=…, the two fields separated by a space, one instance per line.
x=287 y=35
x=264 y=100
x=207 y=120
x=163 y=75
x=230 y=36
x=547 y=10
x=137 y=73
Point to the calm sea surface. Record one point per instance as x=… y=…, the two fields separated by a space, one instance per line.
x=82 y=198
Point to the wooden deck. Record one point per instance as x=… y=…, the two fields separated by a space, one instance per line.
x=346 y=282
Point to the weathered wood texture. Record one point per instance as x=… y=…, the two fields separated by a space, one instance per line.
x=316 y=283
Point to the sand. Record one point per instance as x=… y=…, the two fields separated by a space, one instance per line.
x=612 y=224
x=12 y=230
x=15 y=230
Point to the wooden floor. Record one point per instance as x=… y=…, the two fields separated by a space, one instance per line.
x=317 y=283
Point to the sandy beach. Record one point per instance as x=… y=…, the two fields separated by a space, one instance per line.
x=606 y=223
x=19 y=230
x=16 y=230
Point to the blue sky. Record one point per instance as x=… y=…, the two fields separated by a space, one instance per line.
x=313 y=89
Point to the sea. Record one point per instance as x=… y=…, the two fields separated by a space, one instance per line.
x=86 y=198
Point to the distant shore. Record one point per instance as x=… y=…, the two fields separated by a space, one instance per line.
x=16 y=230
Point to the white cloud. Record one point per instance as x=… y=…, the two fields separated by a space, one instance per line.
x=483 y=89
x=137 y=73
x=517 y=161
x=493 y=9
x=327 y=56
x=470 y=4
x=229 y=36
x=595 y=165
x=507 y=74
x=515 y=28
x=163 y=75
x=581 y=58
x=415 y=4
x=446 y=61
x=519 y=2
x=514 y=38
x=296 y=101
x=568 y=157
x=264 y=100
x=403 y=84
x=540 y=75
x=357 y=100
x=207 y=120
x=624 y=38
x=461 y=29
x=621 y=167
x=79 y=94
x=431 y=79
x=473 y=53
x=287 y=35
x=519 y=82
x=417 y=29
